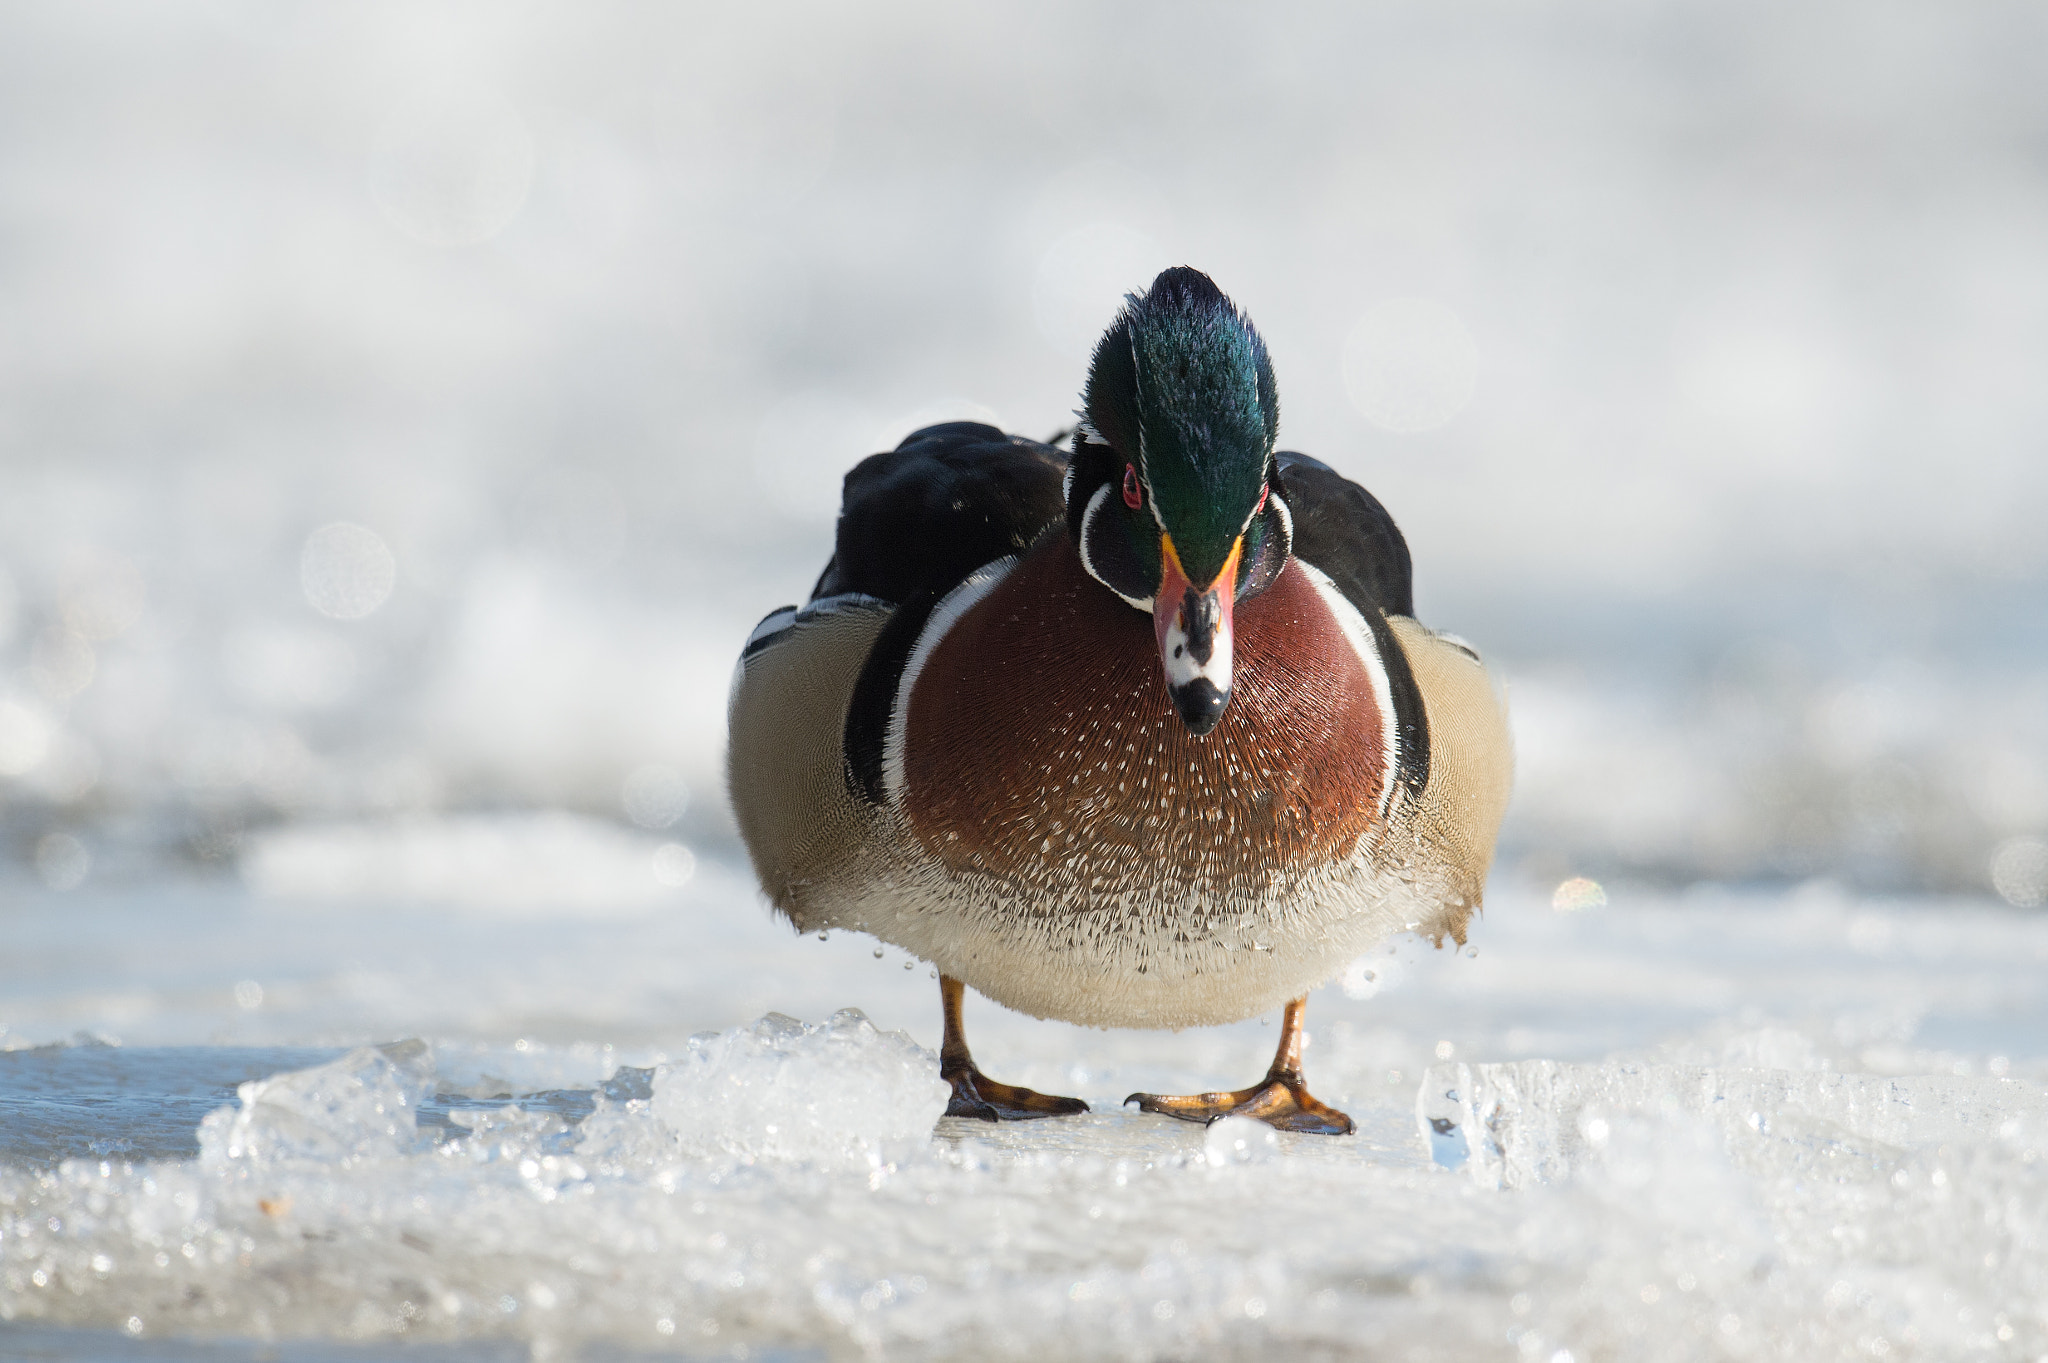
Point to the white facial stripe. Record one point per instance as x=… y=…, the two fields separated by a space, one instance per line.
x=1181 y=667
x=1367 y=648
x=1095 y=505
x=944 y=616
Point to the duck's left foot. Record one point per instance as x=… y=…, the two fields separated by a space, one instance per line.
x=977 y=1095
x=1282 y=1101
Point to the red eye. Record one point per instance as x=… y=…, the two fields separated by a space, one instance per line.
x=1132 y=499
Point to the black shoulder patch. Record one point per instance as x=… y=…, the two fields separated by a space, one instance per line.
x=1343 y=531
x=913 y=524
x=941 y=504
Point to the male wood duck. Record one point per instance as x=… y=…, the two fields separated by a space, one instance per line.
x=1143 y=735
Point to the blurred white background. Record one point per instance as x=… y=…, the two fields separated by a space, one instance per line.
x=406 y=409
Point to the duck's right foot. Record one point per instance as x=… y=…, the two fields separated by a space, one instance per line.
x=977 y=1095
x=1281 y=1101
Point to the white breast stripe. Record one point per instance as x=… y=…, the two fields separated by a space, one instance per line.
x=1367 y=648
x=951 y=607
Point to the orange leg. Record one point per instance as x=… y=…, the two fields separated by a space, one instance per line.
x=974 y=1093
x=1282 y=1100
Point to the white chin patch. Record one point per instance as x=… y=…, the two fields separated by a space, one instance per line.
x=1181 y=666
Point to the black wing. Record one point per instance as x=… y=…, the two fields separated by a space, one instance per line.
x=1342 y=529
x=913 y=524
x=950 y=498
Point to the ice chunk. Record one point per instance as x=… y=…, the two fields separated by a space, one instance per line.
x=1537 y=1121
x=838 y=1091
x=357 y=1109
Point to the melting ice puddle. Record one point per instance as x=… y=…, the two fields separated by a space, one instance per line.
x=139 y=1103
x=33 y=1344
x=120 y=1102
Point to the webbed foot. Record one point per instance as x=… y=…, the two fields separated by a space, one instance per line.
x=974 y=1093
x=1279 y=1102
x=977 y=1095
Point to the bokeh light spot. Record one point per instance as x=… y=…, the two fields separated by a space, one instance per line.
x=346 y=570
x=1410 y=365
x=62 y=861
x=62 y=664
x=248 y=994
x=103 y=598
x=674 y=864
x=1578 y=894
x=24 y=737
x=654 y=796
x=2019 y=872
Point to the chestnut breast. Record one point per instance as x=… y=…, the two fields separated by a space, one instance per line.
x=1040 y=743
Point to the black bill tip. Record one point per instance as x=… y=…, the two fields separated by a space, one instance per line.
x=1200 y=704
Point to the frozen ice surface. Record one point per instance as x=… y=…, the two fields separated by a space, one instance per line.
x=1765 y=1127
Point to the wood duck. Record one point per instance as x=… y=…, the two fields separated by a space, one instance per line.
x=1143 y=734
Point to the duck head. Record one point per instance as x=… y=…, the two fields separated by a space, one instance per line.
x=1172 y=495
